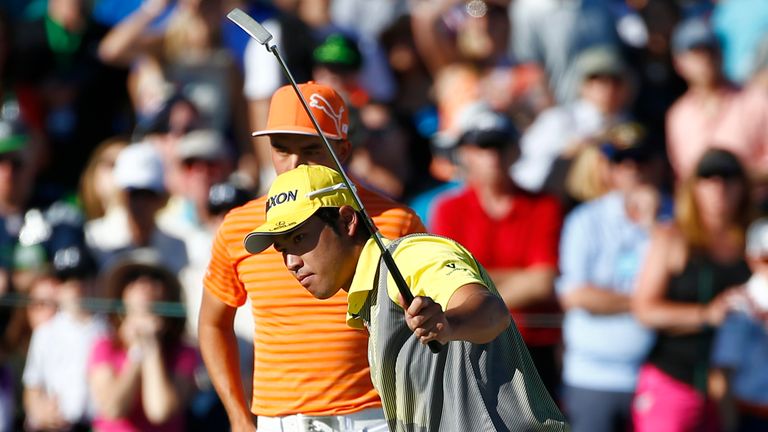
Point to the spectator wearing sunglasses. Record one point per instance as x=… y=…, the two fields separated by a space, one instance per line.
x=680 y=294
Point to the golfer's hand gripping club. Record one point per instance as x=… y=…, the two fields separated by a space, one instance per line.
x=262 y=36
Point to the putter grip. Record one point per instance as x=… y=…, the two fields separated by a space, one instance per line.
x=402 y=287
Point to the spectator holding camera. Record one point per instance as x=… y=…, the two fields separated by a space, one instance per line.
x=142 y=375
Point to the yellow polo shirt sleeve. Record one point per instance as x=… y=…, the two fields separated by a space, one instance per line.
x=432 y=266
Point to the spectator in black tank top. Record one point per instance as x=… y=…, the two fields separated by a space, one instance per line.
x=689 y=264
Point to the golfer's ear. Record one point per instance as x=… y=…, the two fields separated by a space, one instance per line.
x=343 y=150
x=349 y=219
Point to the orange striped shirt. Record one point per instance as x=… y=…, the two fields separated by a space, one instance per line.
x=306 y=359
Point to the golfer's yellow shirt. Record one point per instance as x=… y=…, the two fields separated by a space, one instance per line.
x=464 y=387
x=432 y=267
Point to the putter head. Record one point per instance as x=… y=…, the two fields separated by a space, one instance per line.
x=250 y=25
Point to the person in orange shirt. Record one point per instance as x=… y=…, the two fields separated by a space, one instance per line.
x=310 y=369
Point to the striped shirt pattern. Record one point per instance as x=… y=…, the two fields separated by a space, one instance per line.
x=306 y=359
x=465 y=387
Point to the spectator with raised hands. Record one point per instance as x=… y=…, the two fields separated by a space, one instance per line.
x=142 y=375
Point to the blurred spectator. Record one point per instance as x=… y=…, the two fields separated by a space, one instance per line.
x=740 y=25
x=337 y=63
x=455 y=87
x=14 y=191
x=55 y=387
x=175 y=47
x=658 y=85
x=99 y=194
x=704 y=112
x=142 y=375
x=40 y=306
x=601 y=249
x=367 y=18
x=689 y=264
x=559 y=132
x=139 y=174
x=65 y=91
x=222 y=197
x=207 y=412
x=740 y=349
x=164 y=127
x=553 y=33
x=748 y=134
x=44 y=231
x=375 y=75
x=411 y=104
x=460 y=44
x=451 y=31
x=512 y=233
x=203 y=159
x=380 y=142
x=412 y=80
x=520 y=91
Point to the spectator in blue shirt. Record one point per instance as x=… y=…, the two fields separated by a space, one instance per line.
x=601 y=250
x=740 y=351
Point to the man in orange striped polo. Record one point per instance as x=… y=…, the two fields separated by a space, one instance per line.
x=308 y=365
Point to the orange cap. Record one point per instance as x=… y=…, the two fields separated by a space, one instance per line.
x=287 y=115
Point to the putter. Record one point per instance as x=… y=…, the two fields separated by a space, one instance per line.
x=262 y=36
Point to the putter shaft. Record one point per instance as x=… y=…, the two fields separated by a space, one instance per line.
x=261 y=35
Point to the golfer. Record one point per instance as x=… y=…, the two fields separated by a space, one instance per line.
x=310 y=370
x=483 y=379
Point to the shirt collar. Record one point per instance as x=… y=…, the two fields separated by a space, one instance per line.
x=362 y=282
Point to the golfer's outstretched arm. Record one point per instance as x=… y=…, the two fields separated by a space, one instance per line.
x=218 y=346
x=473 y=314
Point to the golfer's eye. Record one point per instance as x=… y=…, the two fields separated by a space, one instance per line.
x=297 y=238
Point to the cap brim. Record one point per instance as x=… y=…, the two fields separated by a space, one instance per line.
x=293 y=131
x=262 y=237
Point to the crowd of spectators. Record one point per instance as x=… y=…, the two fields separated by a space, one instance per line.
x=605 y=160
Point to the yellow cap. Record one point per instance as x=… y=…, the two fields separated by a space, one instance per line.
x=294 y=196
